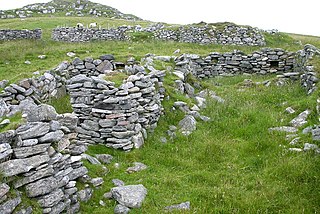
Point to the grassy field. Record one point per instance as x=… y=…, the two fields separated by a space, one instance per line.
x=231 y=164
x=15 y=53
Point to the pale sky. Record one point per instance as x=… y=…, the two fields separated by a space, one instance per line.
x=293 y=16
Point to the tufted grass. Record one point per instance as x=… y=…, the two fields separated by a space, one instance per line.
x=231 y=164
x=61 y=104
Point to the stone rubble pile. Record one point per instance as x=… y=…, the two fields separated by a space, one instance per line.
x=39 y=89
x=7 y=34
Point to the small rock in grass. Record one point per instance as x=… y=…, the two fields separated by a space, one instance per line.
x=290 y=110
x=120 y=209
x=104 y=158
x=295 y=149
x=27 y=62
x=107 y=195
x=182 y=206
x=309 y=146
x=118 y=182
x=102 y=203
x=137 y=167
x=42 y=56
x=71 y=54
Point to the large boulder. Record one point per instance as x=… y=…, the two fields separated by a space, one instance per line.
x=130 y=196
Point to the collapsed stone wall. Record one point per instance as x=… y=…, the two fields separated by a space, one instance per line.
x=203 y=34
x=6 y=34
x=39 y=88
x=42 y=158
x=115 y=116
x=265 y=61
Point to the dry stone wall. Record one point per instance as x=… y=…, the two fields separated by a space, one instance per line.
x=115 y=116
x=206 y=34
x=39 y=158
x=203 y=34
x=265 y=61
x=7 y=34
x=88 y=34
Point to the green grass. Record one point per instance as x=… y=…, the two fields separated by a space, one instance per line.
x=62 y=104
x=12 y=65
x=15 y=121
x=117 y=78
x=231 y=164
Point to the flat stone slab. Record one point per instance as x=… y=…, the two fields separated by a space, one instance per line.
x=17 y=166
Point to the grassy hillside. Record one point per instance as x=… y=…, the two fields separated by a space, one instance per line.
x=231 y=164
x=15 y=53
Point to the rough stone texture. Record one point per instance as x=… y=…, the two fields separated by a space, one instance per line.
x=42 y=113
x=130 y=196
x=85 y=195
x=42 y=187
x=33 y=130
x=120 y=209
x=23 y=152
x=187 y=125
x=4 y=189
x=118 y=182
x=9 y=206
x=17 y=166
x=137 y=167
x=301 y=119
x=104 y=158
x=51 y=199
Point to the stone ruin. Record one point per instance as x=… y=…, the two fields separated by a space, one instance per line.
x=43 y=155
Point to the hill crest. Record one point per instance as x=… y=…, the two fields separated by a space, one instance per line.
x=67 y=8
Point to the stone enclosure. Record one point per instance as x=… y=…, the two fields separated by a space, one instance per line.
x=43 y=155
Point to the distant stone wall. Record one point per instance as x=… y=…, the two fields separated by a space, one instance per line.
x=265 y=61
x=230 y=35
x=88 y=34
x=204 y=34
x=7 y=34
